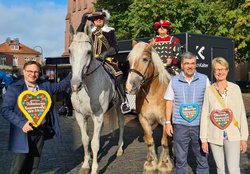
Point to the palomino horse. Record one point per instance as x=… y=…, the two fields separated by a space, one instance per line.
x=92 y=92
x=148 y=79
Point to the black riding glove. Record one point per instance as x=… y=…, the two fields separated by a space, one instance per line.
x=83 y=22
x=108 y=53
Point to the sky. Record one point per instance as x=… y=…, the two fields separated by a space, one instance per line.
x=37 y=23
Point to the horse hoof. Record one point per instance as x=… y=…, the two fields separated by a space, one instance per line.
x=166 y=172
x=165 y=167
x=148 y=172
x=150 y=166
x=84 y=171
x=119 y=153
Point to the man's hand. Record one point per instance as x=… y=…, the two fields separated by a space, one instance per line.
x=27 y=127
x=205 y=147
x=169 y=129
x=243 y=146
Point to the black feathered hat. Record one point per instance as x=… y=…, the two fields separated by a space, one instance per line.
x=97 y=14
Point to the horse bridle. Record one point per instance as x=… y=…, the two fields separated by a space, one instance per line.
x=91 y=72
x=144 y=79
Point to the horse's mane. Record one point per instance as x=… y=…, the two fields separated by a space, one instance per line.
x=137 y=52
x=79 y=40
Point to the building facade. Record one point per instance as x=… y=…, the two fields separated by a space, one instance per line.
x=57 y=67
x=75 y=10
x=13 y=55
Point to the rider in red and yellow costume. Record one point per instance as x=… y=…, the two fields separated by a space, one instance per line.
x=168 y=47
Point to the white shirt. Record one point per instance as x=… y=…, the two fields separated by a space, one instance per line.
x=169 y=95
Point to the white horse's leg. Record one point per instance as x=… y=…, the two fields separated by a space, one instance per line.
x=121 y=131
x=82 y=122
x=95 y=143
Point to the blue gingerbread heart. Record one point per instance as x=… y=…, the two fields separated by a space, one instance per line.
x=189 y=112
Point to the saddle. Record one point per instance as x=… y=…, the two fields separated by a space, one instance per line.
x=111 y=67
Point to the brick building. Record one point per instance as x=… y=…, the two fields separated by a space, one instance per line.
x=58 y=67
x=14 y=54
x=75 y=10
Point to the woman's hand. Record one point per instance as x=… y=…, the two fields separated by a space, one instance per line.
x=205 y=147
x=243 y=146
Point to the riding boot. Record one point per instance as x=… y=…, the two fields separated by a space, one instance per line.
x=125 y=107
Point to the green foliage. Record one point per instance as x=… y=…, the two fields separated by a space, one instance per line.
x=135 y=18
x=235 y=23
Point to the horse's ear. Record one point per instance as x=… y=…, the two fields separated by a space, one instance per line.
x=134 y=43
x=150 y=45
x=71 y=30
x=87 y=30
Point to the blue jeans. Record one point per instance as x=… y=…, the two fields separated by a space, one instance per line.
x=183 y=135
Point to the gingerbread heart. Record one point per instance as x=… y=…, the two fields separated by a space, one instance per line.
x=34 y=105
x=221 y=118
x=189 y=112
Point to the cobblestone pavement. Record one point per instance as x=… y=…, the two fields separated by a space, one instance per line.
x=65 y=157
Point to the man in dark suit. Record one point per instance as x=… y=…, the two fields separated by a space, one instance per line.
x=26 y=141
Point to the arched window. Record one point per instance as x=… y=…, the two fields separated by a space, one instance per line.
x=74 y=6
x=79 y=6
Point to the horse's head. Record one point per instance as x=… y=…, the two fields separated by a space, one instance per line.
x=145 y=66
x=80 y=57
x=141 y=66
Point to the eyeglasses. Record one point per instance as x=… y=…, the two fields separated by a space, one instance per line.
x=220 y=70
x=32 y=72
x=192 y=64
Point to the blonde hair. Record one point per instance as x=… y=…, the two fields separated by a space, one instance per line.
x=220 y=60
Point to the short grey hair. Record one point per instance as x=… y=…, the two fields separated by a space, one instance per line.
x=187 y=55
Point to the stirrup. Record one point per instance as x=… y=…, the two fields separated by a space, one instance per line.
x=125 y=107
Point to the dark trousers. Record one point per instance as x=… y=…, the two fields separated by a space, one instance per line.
x=27 y=163
x=182 y=137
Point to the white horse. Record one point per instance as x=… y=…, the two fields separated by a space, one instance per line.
x=92 y=92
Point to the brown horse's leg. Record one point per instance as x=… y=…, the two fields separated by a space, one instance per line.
x=151 y=162
x=165 y=164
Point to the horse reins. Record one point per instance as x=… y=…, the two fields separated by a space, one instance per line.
x=87 y=74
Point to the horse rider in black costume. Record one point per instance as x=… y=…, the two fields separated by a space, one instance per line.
x=105 y=47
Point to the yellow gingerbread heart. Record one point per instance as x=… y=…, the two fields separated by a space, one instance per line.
x=34 y=105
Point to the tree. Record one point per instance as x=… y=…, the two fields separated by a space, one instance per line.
x=135 y=18
x=119 y=12
x=235 y=23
